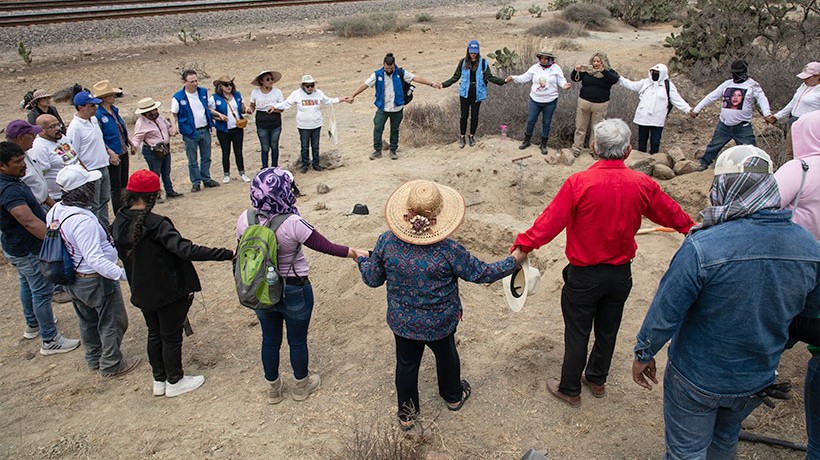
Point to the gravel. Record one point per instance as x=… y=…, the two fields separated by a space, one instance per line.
x=70 y=38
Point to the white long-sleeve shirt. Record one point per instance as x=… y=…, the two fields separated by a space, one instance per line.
x=87 y=139
x=806 y=99
x=652 y=100
x=91 y=249
x=747 y=92
x=545 y=82
x=308 y=108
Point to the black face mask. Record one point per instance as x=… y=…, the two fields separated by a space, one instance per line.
x=655 y=75
x=739 y=77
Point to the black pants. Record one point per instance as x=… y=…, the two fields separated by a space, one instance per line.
x=469 y=104
x=592 y=297
x=408 y=360
x=119 y=179
x=165 y=339
x=234 y=137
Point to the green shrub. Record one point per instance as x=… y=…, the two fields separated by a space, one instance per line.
x=24 y=52
x=423 y=17
x=535 y=11
x=505 y=59
x=557 y=28
x=591 y=15
x=640 y=12
x=506 y=12
x=189 y=34
x=561 y=4
x=365 y=26
x=568 y=44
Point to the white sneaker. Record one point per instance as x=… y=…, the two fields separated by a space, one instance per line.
x=226 y=179
x=159 y=388
x=31 y=332
x=186 y=383
x=59 y=344
x=245 y=178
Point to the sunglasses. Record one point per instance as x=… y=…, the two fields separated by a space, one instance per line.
x=309 y=85
x=267 y=79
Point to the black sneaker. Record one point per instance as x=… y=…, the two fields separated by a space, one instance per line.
x=702 y=167
x=318 y=168
x=195 y=187
x=210 y=183
x=471 y=140
x=393 y=155
x=303 y=169
x=376 y=154
x=173 y=194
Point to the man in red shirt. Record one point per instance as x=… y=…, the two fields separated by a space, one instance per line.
x=601 y=209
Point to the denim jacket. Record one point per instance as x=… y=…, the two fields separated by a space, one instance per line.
x=727 y=299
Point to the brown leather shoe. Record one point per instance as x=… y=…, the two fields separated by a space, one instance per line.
x=572 y=401
x=599 y=391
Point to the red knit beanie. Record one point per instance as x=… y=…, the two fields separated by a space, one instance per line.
x=143 y=181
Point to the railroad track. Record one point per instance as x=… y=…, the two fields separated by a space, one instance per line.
x=26 y=13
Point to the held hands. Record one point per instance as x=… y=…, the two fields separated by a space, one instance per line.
x=519 y=255
x=173 y=131
x=347 y=99
x=508 y=79
x=693 y=114
x=436 y=85
x=770 y=119
x=354 y=253
x=642 y=370
x=567 y=85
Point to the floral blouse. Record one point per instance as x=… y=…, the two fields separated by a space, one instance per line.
x=422 y=283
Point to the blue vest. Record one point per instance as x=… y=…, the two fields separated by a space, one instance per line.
x=110 y=131
x=185 y=117
x=398 y=88
x=480 y=83
x=221 y=105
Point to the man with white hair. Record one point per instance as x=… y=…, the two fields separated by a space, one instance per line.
x=601 y=209
x=728 y=298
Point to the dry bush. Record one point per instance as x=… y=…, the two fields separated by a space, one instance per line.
x=364 y=26
x=568 y=45
x=557 y=28
x=592 y=15
x=381 y=442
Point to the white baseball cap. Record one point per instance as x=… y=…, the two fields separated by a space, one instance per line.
x=74 y=176
x=733 y=161
x=523 y=281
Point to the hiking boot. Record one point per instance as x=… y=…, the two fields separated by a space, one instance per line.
x=304 y=387
x=471 y=140
x=576 y=152
x=393 y=155
x=376 y=154
x=159 y=388
x=126 y=366
x=186 y=384
x=276 y=392
x=61 y=297
x=462 y=142
x=31 y=332
x=58 y=344
x=702 y=167
x=210 y=183
x=195 y=188
x=544 y=149
x=526 y=142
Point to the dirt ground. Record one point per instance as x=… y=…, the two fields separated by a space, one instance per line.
x=53 y=407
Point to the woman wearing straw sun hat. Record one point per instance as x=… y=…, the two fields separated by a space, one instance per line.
x=116 y=139
x=421 y=266
x=227 y=108
x=41 y=105
x=268 y=119
x=152 y=133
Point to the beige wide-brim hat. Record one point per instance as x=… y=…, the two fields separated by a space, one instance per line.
x=39 y=94
x=223 y=79
x=146 y=105
x=422 y=212
x=104 y=88
x=274 y=74
x=523 y=281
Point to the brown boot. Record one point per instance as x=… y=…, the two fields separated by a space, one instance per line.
x=304 y=387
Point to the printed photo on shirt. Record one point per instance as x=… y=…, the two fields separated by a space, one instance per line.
x=733 y=98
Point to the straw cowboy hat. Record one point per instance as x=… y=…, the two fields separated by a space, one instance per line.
x=104 y=88
x=257 y=80
x=146 y=105
x=422 y=212
x=524 y=280
x=223 y=79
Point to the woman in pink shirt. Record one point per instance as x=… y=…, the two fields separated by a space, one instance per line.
x=152 y=134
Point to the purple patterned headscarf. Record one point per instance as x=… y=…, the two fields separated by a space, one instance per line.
x=271 y=192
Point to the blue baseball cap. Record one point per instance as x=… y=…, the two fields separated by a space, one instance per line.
x=472 y=47
x=84 y=97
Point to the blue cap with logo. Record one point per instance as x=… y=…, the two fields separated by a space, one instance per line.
x=472 y=47
x=84 y=97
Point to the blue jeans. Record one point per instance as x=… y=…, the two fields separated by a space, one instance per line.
x=103 y=321
x=199 y=172
x=310 y=138
x=812 y=403
x=159 y=166
x=294 y=310
x=698 y=424
x=742 y=134
x=651 y=134
x=545 y=109
x=102 y=195
x=35 y=295
x=269 y=142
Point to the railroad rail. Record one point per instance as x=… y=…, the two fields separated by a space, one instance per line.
x=32 y=12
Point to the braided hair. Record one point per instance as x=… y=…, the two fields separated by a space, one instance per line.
x=131 y=198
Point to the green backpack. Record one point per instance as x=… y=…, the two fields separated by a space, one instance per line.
x=259 y=284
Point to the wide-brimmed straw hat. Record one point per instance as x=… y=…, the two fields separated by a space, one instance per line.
x=257 y=80
x=104 y=88
x=146 y=105
x=422 y=212
x=523 y=281
x=39 y=94
x=223 y=79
